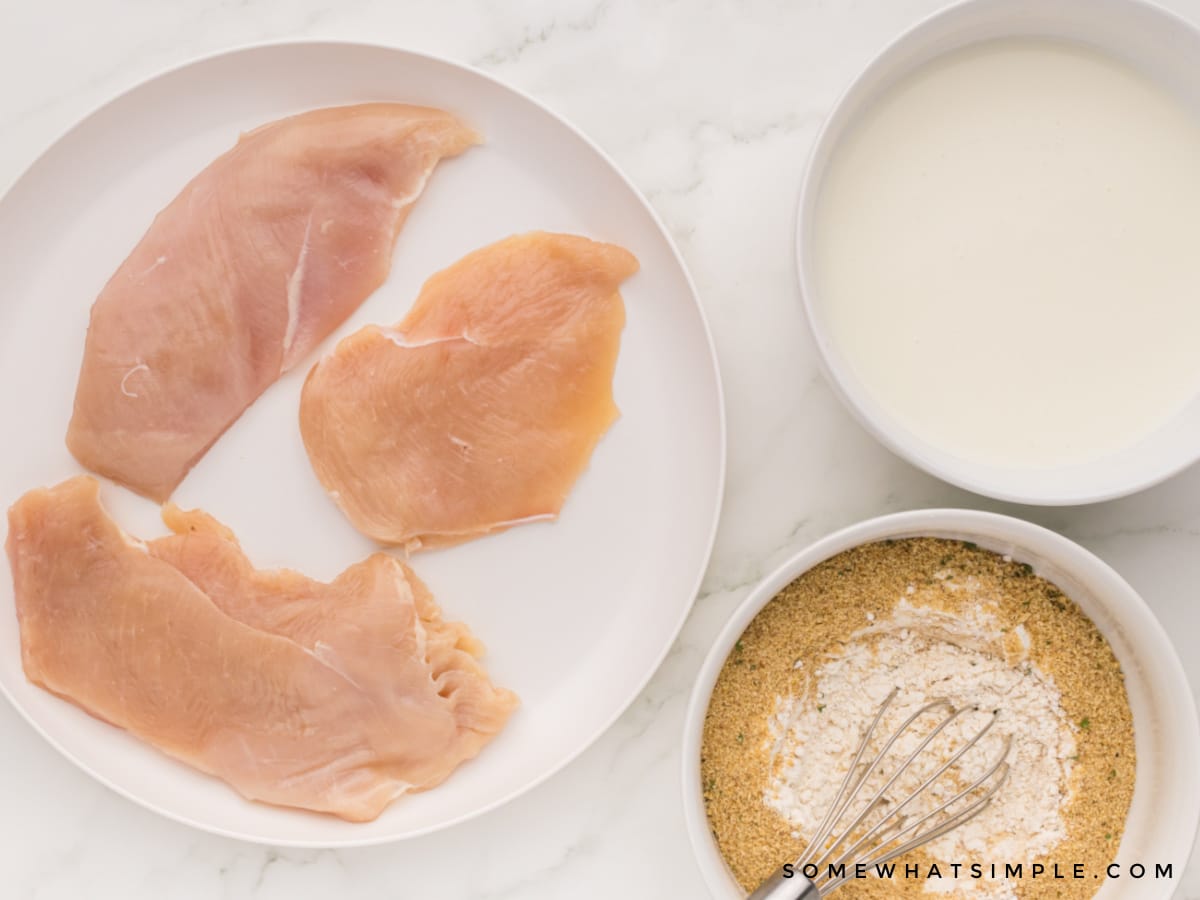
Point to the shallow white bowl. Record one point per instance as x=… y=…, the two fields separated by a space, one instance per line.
x=1158 y=43
x=1165 y=812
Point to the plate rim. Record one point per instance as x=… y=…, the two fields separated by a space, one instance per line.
x=352 y=45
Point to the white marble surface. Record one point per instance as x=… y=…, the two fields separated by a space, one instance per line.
x=710 y=107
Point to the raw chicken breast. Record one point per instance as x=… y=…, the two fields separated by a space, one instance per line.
x=241 y=276
x=377 y=624
x=481 y=408
x=329 y=697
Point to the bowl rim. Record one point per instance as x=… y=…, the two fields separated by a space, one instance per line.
x=978 y=478
x=1118 y=597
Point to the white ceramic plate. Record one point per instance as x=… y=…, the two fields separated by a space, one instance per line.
x=576 y=614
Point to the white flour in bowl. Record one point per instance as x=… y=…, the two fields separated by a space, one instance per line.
x=968 y=660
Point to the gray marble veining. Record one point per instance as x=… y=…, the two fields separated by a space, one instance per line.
x=710 y=107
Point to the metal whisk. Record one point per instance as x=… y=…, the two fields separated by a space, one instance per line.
x=831 y=859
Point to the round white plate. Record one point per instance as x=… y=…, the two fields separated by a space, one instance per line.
x=576 y=614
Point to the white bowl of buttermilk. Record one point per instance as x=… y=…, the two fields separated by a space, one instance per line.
x=996 y=247
x=997 y=616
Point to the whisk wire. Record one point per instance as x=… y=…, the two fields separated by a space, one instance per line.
x=948 y=824
x=885 y=840
x=894 y=815
x=842 y=805
x=827 y=823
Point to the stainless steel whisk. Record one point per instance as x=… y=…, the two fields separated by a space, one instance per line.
x=894 y=834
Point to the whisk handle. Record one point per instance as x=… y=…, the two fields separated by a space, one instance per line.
x=780 y=887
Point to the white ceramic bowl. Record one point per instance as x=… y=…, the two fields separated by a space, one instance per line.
x=1161 y=45
x=1165 y=812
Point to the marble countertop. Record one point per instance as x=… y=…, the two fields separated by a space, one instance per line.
x=710 y=107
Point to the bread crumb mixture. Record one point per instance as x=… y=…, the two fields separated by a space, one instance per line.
x=929 y=655
x=937 y=619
